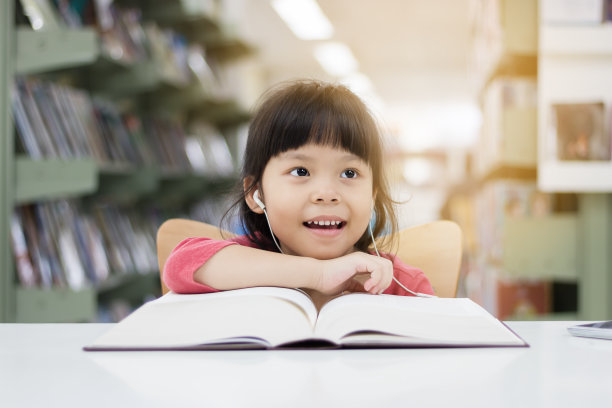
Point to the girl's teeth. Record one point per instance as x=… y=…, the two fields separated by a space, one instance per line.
x=324 y=223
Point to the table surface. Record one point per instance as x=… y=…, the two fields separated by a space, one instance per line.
x=43 y=365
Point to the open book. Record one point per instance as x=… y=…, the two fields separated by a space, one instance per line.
x=267 y=317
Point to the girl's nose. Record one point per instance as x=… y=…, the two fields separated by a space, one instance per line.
x=325 y=195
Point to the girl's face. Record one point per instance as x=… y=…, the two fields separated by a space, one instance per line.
x=318 y=199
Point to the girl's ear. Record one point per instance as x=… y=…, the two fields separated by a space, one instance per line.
x=248 y=195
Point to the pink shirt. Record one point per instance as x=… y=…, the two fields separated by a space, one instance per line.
x=192 y=253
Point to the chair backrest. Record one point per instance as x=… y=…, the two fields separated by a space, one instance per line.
x=434 y=247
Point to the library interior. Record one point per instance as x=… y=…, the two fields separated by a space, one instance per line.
x=119 y=115
x=123 y=127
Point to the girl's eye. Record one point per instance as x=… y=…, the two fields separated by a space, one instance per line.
x=300 y=172
x=349 y=173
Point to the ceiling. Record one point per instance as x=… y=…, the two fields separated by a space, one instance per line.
x=415 y=53
x=412 y=50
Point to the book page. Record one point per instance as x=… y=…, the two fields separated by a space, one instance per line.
x=296 y=296
x=182 y=321
x=370 y=319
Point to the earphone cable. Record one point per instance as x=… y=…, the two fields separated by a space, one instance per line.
x=418 y=294
x=271 y=233
x=396 y=281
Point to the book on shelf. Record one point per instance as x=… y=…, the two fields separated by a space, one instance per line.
x=207 y=151
x=25 y=269
x=26 y=140
x=523 y=299
x=578 y=130
x=121 y=32
x=58 y=244
x=40 y=13
x=266 y=317
x=39 y=254
x=33 y=116
x=202 y=70
x=56 y=121
x=168 y=143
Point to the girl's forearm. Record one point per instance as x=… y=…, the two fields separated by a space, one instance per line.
x=237 y=266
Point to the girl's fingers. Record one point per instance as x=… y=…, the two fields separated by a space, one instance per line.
x=372 y=285
x=380 y=278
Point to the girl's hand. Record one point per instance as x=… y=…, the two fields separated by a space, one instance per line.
x=337 y=275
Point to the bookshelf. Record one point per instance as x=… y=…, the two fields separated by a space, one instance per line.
x=38 y=52
x=115 y=186
x=522 y=242
x=53 y=178
x=7 y=170
x=567 y=245
x=574 y=63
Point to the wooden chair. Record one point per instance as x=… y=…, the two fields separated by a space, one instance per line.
x=434 y=247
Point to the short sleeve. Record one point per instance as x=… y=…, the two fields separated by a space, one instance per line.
x=189 y=255
x=409 y=276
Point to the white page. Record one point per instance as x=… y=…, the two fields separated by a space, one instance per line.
x=189 y=320
x=296 y=296
x=421 y=320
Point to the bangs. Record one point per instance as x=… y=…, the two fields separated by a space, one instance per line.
x=324 y=119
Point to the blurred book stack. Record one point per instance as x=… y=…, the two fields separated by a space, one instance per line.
x=58 y=121
x=60 y=244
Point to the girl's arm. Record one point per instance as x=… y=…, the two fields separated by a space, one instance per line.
x=238 y=266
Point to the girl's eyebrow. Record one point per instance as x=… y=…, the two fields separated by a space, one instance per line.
x=295 y=155
x=305 y=157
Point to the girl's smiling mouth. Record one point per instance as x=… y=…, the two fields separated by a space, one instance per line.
x=325 y=224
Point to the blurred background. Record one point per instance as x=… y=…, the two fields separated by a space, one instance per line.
x=117 y=115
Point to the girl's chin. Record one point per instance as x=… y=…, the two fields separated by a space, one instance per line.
x=325 y=254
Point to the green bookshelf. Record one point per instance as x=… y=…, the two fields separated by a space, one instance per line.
x=57 y=305
x=140 y=77
x=53 y=178
x=40 y=51
x=76 y=57
x=7 y=171
x=128 y=184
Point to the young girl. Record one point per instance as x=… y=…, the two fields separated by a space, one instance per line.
x=312 y=181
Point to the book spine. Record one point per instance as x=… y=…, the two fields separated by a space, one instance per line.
x=24 y=128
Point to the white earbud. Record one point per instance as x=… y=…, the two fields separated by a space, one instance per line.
x=258 y=200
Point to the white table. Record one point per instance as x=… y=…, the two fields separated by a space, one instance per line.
x=43 y=365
